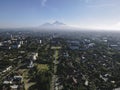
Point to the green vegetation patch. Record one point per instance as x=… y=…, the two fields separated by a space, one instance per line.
x=57 y=47
x=42 y=67
x=56 y=55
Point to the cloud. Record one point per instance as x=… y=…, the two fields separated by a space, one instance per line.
x=118 y=24
x=108 y=27
x=43 y=3
x=86 y=1
x=101 y=5
x=98 y=3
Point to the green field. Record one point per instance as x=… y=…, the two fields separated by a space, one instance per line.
x=57 y=47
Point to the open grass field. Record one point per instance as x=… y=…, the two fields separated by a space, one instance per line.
x=42 y=67
x=57 y=47
x=26 y=79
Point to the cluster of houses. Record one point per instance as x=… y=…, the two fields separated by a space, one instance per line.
x=73 y=74
x=13 y=82
x=77 y=45
x=55 y=42
x=87 y=43
x=32 y=57
x=84 y=66
x=73 y=45
x=13 y=43
x=111 y=43
x=6 y=70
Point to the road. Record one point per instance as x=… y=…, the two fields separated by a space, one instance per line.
x=54 y=77
x=7 y=74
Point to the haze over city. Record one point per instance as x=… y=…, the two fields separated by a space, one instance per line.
x=59 y=44
x=87 y=14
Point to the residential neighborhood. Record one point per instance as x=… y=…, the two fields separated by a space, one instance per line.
x=56 y=61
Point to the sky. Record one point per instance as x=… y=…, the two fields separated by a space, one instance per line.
x=94 y=14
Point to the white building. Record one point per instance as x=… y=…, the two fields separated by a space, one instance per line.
x=34 y=56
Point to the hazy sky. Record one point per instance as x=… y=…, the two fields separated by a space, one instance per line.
x=80 y=13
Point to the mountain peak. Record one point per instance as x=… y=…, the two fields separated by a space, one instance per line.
x=56 y=23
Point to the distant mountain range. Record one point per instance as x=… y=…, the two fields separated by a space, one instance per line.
x=56 y=23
